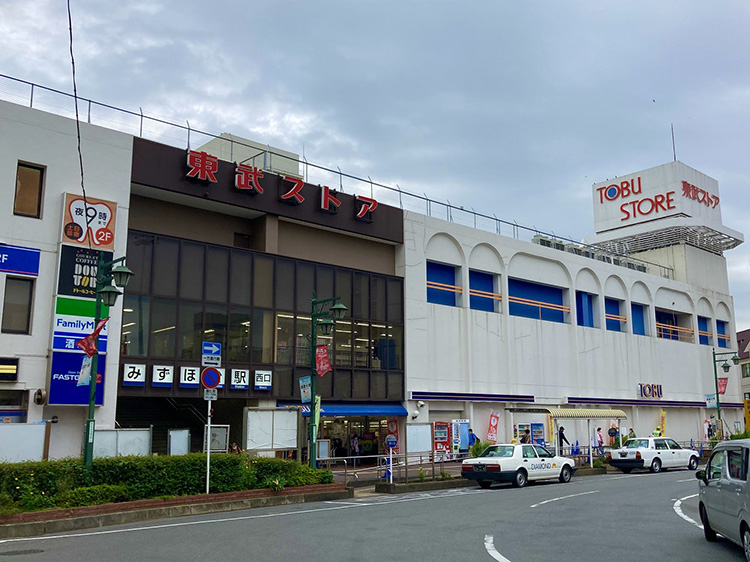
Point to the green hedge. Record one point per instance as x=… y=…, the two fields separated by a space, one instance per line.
x=65 y=483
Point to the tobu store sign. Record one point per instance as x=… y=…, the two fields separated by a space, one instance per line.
x=291 y=190
x=670 y=190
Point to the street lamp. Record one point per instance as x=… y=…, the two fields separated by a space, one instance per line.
x=324 y=314
x=106 y=294
x=725 y=366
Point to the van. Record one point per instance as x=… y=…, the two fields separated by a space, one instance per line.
x=724 y=494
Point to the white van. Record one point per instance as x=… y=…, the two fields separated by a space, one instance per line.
x=724 y=494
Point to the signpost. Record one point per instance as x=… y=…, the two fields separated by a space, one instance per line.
x=211 y=354
x=210 y=378
x=392 y=442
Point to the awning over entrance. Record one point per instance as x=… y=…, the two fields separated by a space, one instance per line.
x=575 y=413
x=331 y=409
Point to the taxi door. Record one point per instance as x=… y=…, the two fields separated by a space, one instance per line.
x=680 y=456
x=531 y=462
x=546 y=458
x=663 y=453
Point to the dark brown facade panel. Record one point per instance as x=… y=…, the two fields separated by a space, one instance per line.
x=165 y=167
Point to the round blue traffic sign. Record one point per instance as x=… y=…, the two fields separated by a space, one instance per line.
x=210 y=377
x=391 y=441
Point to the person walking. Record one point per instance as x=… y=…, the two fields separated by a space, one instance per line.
x=631 y=433
x=561 y=438
x=597 y=441
x=354 y=446
x=472 y=438
x=526 y=437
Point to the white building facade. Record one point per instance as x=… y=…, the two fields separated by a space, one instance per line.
x=47 y=303
x=495 y=323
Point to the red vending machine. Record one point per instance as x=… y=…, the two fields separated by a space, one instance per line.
x=441 y=432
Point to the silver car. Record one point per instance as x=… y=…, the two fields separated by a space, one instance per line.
x=724 y=494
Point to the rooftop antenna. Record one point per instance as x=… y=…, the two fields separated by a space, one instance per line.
x=674 y=151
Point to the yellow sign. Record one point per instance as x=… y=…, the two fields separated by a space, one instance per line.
x=663 y=423
x=747 y=414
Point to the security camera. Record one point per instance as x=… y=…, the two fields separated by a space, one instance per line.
x=420 y=404
x=415 y=414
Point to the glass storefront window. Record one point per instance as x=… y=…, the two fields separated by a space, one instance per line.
x=238 y=340
x=135 y=321
x=344 y=289
x=361 y=302
x=166 y=255
x=343 y=343
x=263 y=282
x=240 y=278
x=377 y=298
x=396 y=335
x=361 y=344
x=284 y=338
x=140 y=250
x=302 y=341
x=192 y=268
x=215 y=325
x=324 y=282
x=305 y=279
x=262 y=334
x=190 y=331
x=163 y=328
x=217 y=268
x=395 y=300
x=285 y=284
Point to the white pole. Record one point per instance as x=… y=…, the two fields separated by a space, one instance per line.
x=557 y=438
x=591 y=445
x=390 y=465
x=208 y=447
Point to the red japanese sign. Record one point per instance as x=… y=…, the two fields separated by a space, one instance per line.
x=701 y=195
x=322 y=362
x=89 y=222
x=88 y=344
x=202 y=166
x=492 y=429
x=723 y=384
x=393 y=430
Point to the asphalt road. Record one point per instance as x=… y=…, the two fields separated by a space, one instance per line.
x=609 y=517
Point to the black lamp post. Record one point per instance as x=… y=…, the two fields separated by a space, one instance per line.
x=324 y=314
x=106 y=294
x=725 y=366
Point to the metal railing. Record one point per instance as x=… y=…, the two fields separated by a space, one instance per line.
x=185 y=135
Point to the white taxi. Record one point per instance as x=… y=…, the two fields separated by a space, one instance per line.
x=516 y=463
x=653 y=453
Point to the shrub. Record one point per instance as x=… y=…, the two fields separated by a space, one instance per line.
x=93 y=495
x=598 y=463
x=744 y=435
x=479 y=447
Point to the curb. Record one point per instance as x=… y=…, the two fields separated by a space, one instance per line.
x=61 y=521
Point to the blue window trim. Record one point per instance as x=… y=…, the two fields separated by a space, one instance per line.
x=534 y=291
x=612 y=307
x=638 y=314
x=481 y=281
x=446 y=275
x=585 y=309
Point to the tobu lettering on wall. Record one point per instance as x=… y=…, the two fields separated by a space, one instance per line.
x=632 y=205
x=649 y=390
x=204 y=167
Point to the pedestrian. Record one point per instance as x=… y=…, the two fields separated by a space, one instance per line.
x=597 y=441
x=656 y=432
x=354 y=446
x=526 y=437
x=472 y=438
x=561 y=438
x=235 y=449
x=631 y=433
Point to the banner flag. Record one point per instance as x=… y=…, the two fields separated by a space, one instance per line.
x=88 y=344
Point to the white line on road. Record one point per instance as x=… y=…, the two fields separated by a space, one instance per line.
x=489 y=546
x=564 y=498
x=687 y=480
x=678 y=510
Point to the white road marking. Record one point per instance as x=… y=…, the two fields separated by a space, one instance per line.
x=687 y=480
x=564 y=498
x=489 y=546
x=678 y=510
x=337 y=505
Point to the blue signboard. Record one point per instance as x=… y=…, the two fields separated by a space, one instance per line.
x=63 y=386
x=62 y=342
x=211 y=348
x=15 y=259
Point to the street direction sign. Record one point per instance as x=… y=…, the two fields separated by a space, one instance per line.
x=210 y=377
x=391 y=441
x=210 y=394
x=211 y=354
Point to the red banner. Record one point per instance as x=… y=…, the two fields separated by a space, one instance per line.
x=723 y=384
x=492 y=429
x=393 y=430
x=322 y=362
x=88 y=344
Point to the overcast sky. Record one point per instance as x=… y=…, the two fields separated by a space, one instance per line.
x=512 y=108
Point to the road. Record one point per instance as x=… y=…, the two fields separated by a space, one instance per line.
x=615 y=517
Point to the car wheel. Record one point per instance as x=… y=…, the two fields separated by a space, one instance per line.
x=746 y=542
x=519 y=481
x=485 y=484
x=708 y=532
x=655 y=466
x=627 y=470
x=693 y=464
x=565 y=474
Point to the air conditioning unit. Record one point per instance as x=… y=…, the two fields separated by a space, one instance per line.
x=574 y=249
x=620 y=261
x=548 y=242
x=641 y=267
x=604 y=257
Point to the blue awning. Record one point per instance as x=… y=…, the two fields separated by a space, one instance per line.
x=330 y=409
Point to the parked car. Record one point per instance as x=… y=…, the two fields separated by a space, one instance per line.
x=724 y=494
x=517 y=463
x=653 y=453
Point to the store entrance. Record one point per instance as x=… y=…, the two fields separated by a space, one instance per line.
x=370 y=433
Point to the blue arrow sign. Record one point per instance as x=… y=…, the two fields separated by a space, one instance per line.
x=211 y=348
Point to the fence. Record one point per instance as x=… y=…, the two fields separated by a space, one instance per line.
x=186 y=136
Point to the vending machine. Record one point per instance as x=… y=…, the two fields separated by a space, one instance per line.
x=441 y=440
x=537 y=434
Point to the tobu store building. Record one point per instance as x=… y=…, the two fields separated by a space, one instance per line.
x=227 y=258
